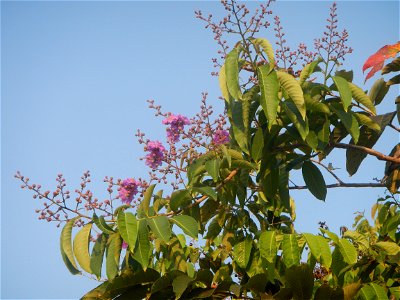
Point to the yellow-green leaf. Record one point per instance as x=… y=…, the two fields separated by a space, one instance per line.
x=81 y=247
x=66 y=247
x=293 y=89
x=113 y=252
x=188 y=224
x=267 y=47
x=290 y=250
x=128 y=228
x=269 y=87
x=232 y=74
x=348 y=251
x=344 y=91
x=267 y=245
x=361 y=97
x=160 y=226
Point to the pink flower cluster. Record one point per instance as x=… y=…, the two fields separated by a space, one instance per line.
x=155 y=154
x=129 y=188
x=221 y=137
x=177 y=123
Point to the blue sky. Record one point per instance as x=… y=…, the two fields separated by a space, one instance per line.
x=75 y=80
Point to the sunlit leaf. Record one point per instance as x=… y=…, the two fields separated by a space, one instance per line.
x=180 y=284
x=101 y=224
x=161 y=228
x=372 y=291
x=142 y=250
x=267 y=47
x=293 y=89
x=348 y=251
x=241 y=252
x=81 y=247
x=361 y=97
x=127 y=225
x=308 y=70
x=290 y=250
x=267 y=245
x=376 y=60
x=66 y=247
x=145 y=203
x=212 y=167
x=344 y=91
x=378 y=91
x=113 y=252
x=269 y=86
x=179 y=198
x=232 y=74
x=188 y=224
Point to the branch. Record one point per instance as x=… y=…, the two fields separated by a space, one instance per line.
x=342 y=184
x=369 y=151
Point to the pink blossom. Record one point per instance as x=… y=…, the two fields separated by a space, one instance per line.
x=156 y=154
x=177 y=123
x=221 y=137
x=124 y=245
x=129 y=188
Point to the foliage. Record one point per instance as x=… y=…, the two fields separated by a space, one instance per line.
x=234 y=189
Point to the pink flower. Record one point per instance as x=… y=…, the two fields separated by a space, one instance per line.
x=177 y=123
x=124 y=245
x=221 y=137
x=156 y=154
x=129 y=188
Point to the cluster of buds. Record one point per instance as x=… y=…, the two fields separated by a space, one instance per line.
x=332 y=46
x=237 y=21
x=187 y=138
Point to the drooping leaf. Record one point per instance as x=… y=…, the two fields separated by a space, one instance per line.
x=269 y=86
x=314 y=180
x=372 y=291
x=179 y=198
x=96 y=259
x=179 y=284
x=113 y=252
x=128 y=228
x=294 y=115
x=101 y=224
x=267 y=245
x=241 y=252
x=393 y=80
x=389 y=247
x=212 y=167
x=301 y=280
x=326 y=256
x=393 y=66
x=161 y=228
x=238 y=127
x=344 y=91
x=349 y=121
x=378 y=91
x=376 y=60
x=314 y=245
x=257 y=145
x=290 y=250
x=142 y=250
x=222 y=84
x=363 y=119
x=145 y=203
x=348 y=251
x=81 y=247
x=232 y=74
x=66 y=247
x=267 y=48
x=188 y=224
x=361 y=97
x=308 y=70
x=293 y=89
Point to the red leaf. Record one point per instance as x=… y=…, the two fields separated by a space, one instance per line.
x=377 y=59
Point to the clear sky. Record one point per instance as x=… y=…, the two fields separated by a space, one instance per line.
x=75 y=78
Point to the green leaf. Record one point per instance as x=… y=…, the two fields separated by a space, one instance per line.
x=257 y=145
x=145 y=203
x=348 y=120
x=394 y=80
x=179 y=198
x=188 y=224
x=290 y=250
x=142 y=250
x=101 y=224
x=212 y=167
x=367 y=138
x=294 y=115
x=179 y=285
x=267 y=47
x=113 y=252
x=324 y=134
x=308 y=70
x=361 y=97
x=96 y=259
x=326 y=256
x=128 y=228
x=331 y=235
x=348 y=75
x=372 y=291
x=389 y=247
x=81 y=247
x=160 y=226
x=293 y=89
x=325 y=292
x=313 y=243
x=241 y=252
x=206 y=190
x=378 y=91
x=238 y=127
x=66 y=247
x=267 y=245
x=269 y=86
x=314 y=180
x=301 y=280
x=348 y=251
x=344 y=91
x=232 y=74
x=222 y=84
x=367 y=121
x=393 y=66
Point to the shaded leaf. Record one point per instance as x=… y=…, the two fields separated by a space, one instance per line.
x=257 y=145
x=101 y=224
x=378 y=91
x=142 y=250
x=294 y=115
x=180 y=284
x=113 y=252
x=212 y=167
x=301 y=280
x=96 y=259
x=179 y=198
x=314 y=180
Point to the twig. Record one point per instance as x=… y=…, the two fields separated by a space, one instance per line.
x=343 y=184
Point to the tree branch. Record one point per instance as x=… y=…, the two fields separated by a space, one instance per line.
x=342 y=184
x=369 y=151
